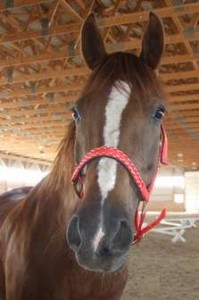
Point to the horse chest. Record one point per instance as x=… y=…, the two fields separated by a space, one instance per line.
x=62 y=279
x=86 y=285
x=70 y=286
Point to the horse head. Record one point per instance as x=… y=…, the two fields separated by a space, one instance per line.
x=121 y=108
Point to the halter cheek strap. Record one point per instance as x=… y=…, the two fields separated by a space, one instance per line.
x=164 y=147
x=122 y=158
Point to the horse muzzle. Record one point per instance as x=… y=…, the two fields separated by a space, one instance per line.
x=103 y=251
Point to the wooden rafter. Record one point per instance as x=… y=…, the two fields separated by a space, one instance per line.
x=42 y=73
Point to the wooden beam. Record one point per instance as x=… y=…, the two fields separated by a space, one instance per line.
x=27 y=113
x=177 y=59
x=120 y=46
x=32 y=34
x=128 y=18
x=22 y=3
x=65 y=118
x=36 y=102
x=129 y=45
x=190 y=106
x=40 y=101
x=84 y=71
x=20 y=92
x=182 y=87
x=180 y=28
x=179 y=75
x=47 y=74
x=70 y=10
x=183 y=98
x=186 y=125
x=45 y=90
x=42 y=126
x=134 y=17
x=186 y=114
x=170 y=121
x=69 y=53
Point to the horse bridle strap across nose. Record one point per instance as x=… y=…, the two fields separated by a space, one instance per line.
x=122 y=158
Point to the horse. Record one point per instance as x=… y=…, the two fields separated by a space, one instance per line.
x=65 y=241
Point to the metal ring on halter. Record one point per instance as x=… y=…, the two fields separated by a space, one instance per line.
x=78 y=186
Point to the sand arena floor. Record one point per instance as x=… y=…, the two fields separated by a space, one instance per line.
x=161 y=270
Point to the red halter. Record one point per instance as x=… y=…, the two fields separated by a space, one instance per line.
x=121 y=157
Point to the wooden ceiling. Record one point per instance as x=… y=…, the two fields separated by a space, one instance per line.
x=42 y=73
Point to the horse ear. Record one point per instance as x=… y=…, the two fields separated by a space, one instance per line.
x=92 y=44
x=153 y=42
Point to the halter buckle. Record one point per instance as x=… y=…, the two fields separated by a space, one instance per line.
x=78 y=186
x=164 y=147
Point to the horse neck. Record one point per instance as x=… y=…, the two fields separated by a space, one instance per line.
x=56 y=190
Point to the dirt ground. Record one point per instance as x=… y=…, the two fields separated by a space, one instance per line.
x=161 y=270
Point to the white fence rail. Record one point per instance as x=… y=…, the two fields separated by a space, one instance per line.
x=176 y=226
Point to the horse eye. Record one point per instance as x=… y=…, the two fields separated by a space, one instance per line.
x=75 y=114
x=159 y=114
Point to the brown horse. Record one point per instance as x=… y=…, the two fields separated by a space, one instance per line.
x=54 y=245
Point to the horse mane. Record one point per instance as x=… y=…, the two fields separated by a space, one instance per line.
x=63 y=164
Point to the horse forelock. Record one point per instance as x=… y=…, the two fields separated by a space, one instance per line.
x=128 y=68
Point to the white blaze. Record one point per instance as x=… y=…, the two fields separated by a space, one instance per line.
x=107 y=168
x=98 y=238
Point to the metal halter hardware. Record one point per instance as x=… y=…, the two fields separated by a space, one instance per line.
x=121 y=157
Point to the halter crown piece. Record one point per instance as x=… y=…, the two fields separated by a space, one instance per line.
x=121 y=157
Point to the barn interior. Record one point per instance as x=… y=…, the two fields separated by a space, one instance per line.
x=42 y=73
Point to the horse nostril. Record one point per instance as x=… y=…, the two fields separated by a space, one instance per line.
x=73 y=234
x=123 y=238
x=120 y=243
